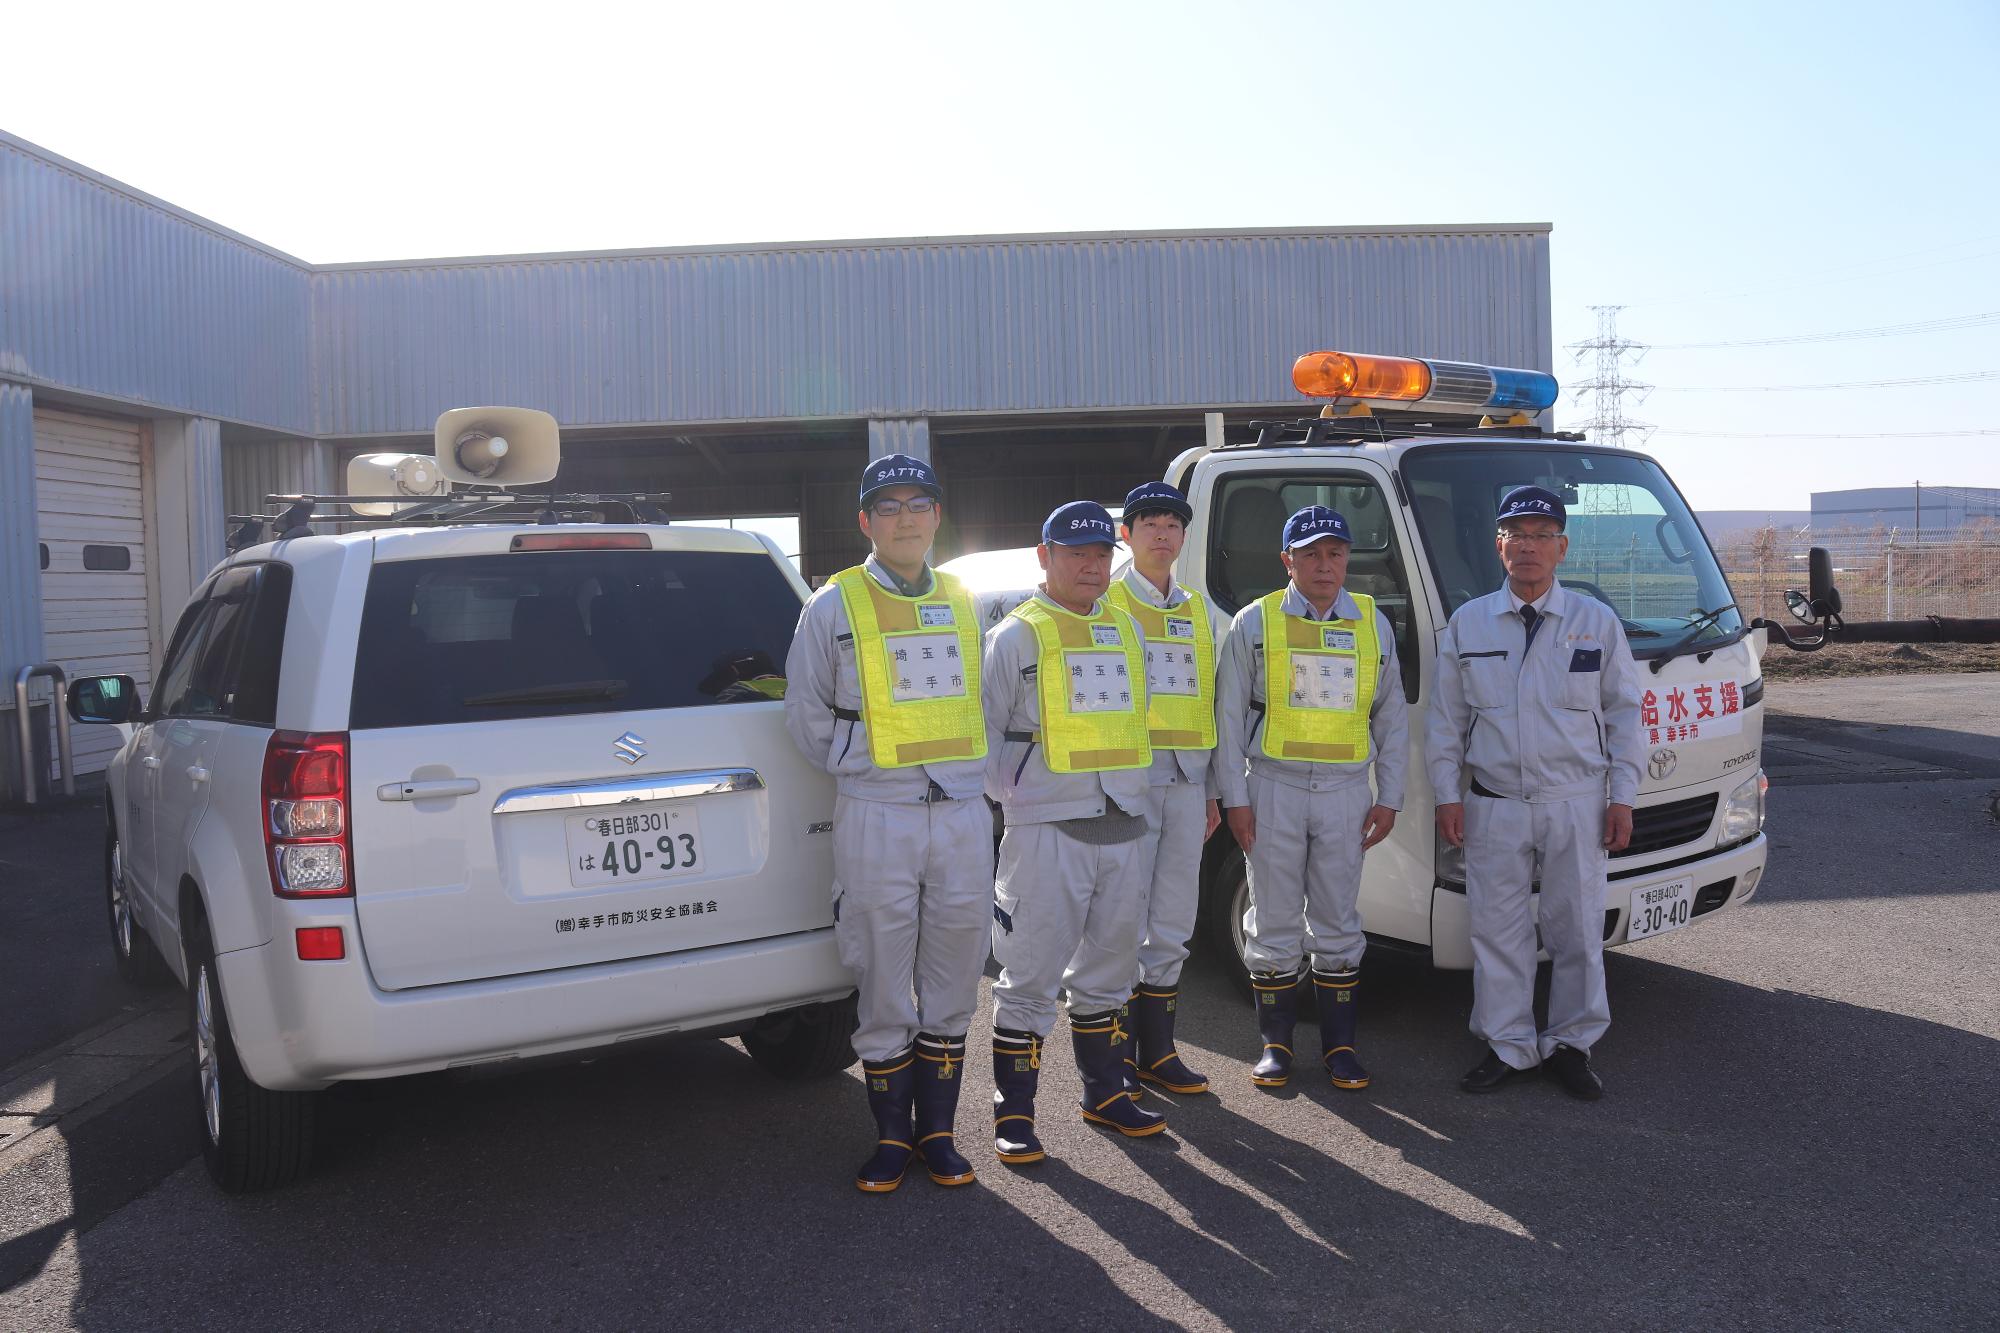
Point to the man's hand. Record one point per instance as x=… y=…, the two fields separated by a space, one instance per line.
x=1214 y=820
x=1377 y=825
x=1243 y=826
x=1451 y=823
x=1617 y=827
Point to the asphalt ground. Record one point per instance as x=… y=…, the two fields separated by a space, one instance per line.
x=1801 y=1128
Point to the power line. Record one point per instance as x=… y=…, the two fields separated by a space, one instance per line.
x=1826 y=435
x=1962 y=377
x=1947 y=324
x=1843 y=272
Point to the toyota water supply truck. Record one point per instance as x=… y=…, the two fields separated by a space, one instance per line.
x=1417 y=454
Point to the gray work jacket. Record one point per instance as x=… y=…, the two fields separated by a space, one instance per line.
x=1017 y=772
x=1549 y=721
x=1172 y=766
x=820 y=676
x=1239 y=683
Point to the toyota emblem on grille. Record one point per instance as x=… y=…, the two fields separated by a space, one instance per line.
x=631 y=747
x=1661 y=763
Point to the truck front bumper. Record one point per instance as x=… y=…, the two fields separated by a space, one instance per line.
x=1722 y=880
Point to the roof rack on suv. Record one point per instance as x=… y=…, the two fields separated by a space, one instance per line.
x=1381 y=427
x=466 y=505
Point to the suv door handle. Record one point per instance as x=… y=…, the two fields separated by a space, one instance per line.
x=149 y=761
x=415 y=790
x=197 y=773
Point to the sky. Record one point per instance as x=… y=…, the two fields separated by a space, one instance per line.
x=1727 y=172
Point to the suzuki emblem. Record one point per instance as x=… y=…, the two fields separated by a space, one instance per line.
x=1661 y=763
x=632 y=747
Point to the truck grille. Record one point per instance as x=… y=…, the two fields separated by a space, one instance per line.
x=1658 y=827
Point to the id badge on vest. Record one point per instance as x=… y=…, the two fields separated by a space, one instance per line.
x=1329 y=678
x=1171 y=666
x=1098 y=682
x=926 y=665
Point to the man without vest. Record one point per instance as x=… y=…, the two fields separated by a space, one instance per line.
x=1309 y=696
x=1534 y=754
x=1180 y=636
x=884 y=693
x=1064 y=683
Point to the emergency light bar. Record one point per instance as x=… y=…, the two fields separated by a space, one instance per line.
x=1405 y=381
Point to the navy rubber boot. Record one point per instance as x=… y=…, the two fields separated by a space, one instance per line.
x=1277 y=1011
x=1017 y=1069
x=1099 y=1041
x=940 y=1074
x=1132 y=1086
x=1153 y=1033
x=892 y=1086
x=1336 y=993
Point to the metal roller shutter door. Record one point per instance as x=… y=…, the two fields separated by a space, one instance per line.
x=91 y=520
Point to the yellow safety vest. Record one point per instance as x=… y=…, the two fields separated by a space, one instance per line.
x=1319 y=683
x=1089 y=672
x=918 y=658
x=1180 y=669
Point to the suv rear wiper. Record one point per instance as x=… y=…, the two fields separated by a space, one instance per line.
x=1700 y=621
x=577 y=691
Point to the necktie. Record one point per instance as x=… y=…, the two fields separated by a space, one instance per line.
x=1533 y=620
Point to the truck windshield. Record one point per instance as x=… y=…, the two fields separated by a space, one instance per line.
x=1633 y=544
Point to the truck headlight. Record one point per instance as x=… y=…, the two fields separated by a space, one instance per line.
x=1743 y=812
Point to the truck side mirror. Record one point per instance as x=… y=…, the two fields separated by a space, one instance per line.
x=1819 y=579
x=1799 y=605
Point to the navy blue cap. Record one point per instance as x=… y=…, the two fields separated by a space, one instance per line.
x=1534 y=502
x=1080 y=523
x=898 y=470
x=1312 y=523
x=1156 y=497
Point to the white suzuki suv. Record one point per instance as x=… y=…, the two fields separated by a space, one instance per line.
x=423 y=798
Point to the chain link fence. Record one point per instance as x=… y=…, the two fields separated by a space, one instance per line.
x=1882 y=574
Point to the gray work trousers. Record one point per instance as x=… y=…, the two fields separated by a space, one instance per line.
x=912 y=888
x=1505 y=842
x=1305 y=876
x=1065 y=917
x=1170 y=880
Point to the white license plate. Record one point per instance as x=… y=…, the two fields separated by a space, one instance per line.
x=1660 y=908
x=631 y=844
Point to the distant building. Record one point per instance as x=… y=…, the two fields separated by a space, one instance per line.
x=1909 y=508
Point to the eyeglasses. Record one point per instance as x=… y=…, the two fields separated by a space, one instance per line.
x=916 y=504
x=1528 y=538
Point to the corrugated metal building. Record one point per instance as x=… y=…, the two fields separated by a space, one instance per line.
x=1933 y=509
x=749 y=379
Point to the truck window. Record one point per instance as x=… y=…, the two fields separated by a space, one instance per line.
x=1251 y=509
x=1633 y=544
x=543 y=634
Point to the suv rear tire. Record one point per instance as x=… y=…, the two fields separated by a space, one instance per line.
x=808 y=1042
x=251 y=1138
x=132 y=950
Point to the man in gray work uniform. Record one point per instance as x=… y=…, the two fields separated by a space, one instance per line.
x=1534 y=751
x=912 y=836
x=1064 y=680
x=1293 y=765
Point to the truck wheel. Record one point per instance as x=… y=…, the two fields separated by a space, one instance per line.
x=251 y=1138
x=1222 y=906
x=131 y=948
x=808 y=1042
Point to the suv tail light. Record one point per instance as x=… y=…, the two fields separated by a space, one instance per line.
x=305 y=814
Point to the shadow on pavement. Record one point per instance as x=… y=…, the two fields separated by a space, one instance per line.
x=1761 y=1158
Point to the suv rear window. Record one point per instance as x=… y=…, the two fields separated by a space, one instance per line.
x=548 y=634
